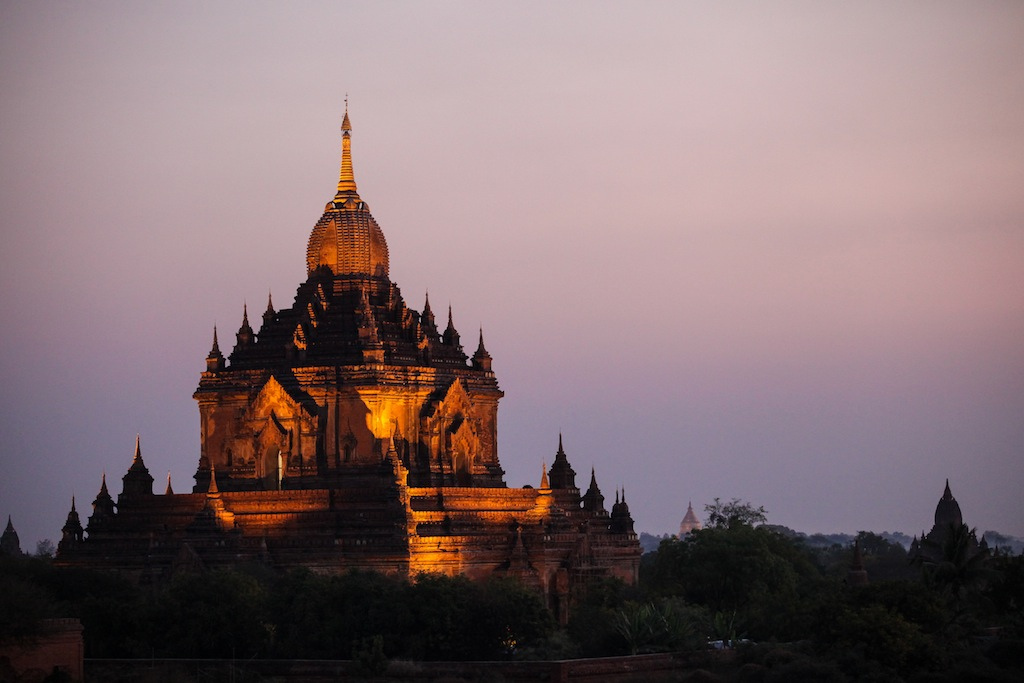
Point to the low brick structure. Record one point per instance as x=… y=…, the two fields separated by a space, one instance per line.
x=58 y=648
x=636 y=669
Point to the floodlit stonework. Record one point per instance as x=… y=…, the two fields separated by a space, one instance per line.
x=351 y=431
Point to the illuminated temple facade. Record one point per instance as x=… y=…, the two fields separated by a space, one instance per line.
x=351 y=431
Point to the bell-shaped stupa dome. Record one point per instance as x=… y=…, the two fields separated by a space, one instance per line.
x=347 y=239
x=947 y=512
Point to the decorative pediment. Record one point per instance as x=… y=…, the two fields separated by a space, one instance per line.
x=272 y=432
x=456 y=402
x=274 y=399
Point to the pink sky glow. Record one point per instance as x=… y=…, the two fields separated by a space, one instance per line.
x=768 y=251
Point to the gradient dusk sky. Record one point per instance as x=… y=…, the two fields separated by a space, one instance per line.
x=772 y=251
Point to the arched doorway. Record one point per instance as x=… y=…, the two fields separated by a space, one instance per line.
x=463 y=466
x=270 y=468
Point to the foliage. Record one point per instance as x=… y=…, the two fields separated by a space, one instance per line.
x=957 y=614
x=23 y=606
x=954 y=565
x=765 y=583
x=665 y=626
x=752 y=572
x=45 y=549
x=734 y=513
x=368 y=655
x=214 y=614
x=884 y=559
x=1006 y=595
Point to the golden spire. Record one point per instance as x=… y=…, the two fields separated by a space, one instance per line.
x=347 y=179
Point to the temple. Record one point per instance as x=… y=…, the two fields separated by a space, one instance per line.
x=351 y=431
x=9 y=542
x=690 y=521
x=948 y=528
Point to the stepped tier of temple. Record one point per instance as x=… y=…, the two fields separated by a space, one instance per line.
x=350 y=431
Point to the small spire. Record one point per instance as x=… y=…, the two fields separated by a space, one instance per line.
x=103 y=485
x=213 y=482
x=593 y=501
x=346 y=178
x=544 y=476
x=481 y=350
x=72 y=531
x=268 y=315
x=169 y=491
x=137 y=480
x=947 y=494
x=482 y=359
x=451 y=335
x=215 y=359
x=244 y=336
x=427 y=318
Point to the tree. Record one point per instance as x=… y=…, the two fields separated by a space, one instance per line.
x=955 y=564
x=735 y=512
x=667 y=625
x=44 y=549
x=761 y=576
x=216 y=614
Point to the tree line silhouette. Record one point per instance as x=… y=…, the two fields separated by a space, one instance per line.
x=785 y=609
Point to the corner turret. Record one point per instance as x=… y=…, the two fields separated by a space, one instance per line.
x=245 y=336
x=622 y=522
x=563 y=476
x=482 y=359
x=72 y=534
x=270 y=313
x=102 y=508
x=427 y=321
x=373 y=349
x=593 y=501
x=215 y=359
x=451 y=336
x=137 y=481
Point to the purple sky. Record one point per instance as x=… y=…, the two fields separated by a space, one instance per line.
x=772 y=251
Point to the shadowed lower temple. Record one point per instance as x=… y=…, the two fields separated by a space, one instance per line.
x=349 y=431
